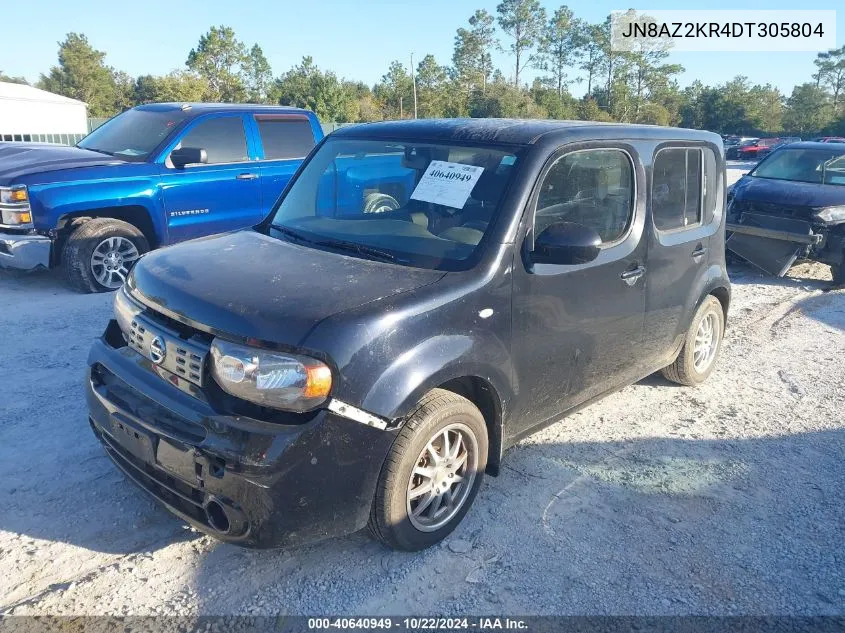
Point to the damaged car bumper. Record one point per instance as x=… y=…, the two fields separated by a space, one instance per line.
x=773 y=243
x=242 y=480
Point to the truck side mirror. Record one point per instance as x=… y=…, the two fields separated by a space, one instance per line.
x=188 y=156
x=566 y=243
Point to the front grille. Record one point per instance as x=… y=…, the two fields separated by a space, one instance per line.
x=774 y=208
x=164 y=346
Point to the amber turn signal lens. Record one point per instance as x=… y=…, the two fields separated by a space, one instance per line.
x=319 y=382
x=25 y=217
x=19 y=195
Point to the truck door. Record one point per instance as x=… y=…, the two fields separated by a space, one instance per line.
x=685 y=185
x=577 y=329
x=283 y=141
x=221 y=195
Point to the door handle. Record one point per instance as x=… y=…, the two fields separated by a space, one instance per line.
x=699 y=252
x=630 y=277
x=246 y=176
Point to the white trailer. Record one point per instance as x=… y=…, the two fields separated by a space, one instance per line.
x=30 y=114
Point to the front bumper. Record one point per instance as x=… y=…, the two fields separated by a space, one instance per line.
x=238 y=479
x=24 y=251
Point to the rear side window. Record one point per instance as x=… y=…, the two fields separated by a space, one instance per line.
x=285 y=138
x=676 y=193
x=222 y=138
x=590 y=187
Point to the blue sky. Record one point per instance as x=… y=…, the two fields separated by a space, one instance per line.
x=355 y=39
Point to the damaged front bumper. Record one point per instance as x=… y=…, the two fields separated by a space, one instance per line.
x=239 y=479
x=774 y=243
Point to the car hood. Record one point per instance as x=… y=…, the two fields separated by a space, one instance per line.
x=788 y=192
x=250 y=285
x=23 y=159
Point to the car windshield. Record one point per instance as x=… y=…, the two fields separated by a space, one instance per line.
x=408 y=202
x=134 y=134
x=822 y=166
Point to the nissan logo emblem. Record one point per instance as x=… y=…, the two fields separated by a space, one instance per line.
x=158 y=350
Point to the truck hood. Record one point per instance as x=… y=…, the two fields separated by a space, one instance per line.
x=788 y=192
x=250 y=285
x=23 y=159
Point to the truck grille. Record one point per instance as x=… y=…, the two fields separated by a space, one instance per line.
x=164 y=347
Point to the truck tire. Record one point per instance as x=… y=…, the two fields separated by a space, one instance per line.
x=379 y=203
x=702 y=345
x=432 y=473
x=99 y=254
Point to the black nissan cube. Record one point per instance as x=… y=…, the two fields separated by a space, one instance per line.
x=423 y=295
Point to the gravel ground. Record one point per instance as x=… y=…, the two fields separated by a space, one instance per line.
x=722 y=499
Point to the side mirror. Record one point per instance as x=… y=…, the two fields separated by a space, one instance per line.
x=566 y=243
x=188 y=156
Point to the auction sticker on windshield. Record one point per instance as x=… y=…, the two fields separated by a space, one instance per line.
x=447 y=183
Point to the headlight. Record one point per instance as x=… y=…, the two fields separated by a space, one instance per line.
x=125 y=310
x=14 y=207
x=831 y=214
x=272 y=379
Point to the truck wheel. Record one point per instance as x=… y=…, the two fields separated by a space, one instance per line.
x=379 y=203
x=701 y=347
x=432 y=474
x=99 y=254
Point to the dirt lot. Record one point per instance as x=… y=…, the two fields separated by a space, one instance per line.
x=725 y=499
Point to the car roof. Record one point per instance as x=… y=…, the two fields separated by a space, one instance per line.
x=513 y=131
x=202 y=108
x=817 y=145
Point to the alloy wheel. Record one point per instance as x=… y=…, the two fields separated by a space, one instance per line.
x=112 y=259
x=442 y=478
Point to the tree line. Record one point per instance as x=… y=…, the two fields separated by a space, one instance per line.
x=578 y=76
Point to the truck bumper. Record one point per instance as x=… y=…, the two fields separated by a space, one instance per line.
x=24 y=251
x=241 y=480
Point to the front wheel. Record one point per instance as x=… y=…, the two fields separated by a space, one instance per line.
x=432 y=474
x=701 y=347
x=99 y=254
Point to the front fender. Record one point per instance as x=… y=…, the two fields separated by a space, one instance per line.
x=434 y=362
x=62 y=197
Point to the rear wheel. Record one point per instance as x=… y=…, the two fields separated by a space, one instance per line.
x=380 y=203
x=432 y=474
x=701 y=346
x=99 y=254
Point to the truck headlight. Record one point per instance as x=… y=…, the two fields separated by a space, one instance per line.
x=831 y=215
x=273 y=379
x=125 y=310
x=14 y=207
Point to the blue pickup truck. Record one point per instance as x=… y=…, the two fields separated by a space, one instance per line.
x=152 y=176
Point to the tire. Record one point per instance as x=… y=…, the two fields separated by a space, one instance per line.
x=78 y=254
x=685 y=370
x=391 y=520
x=379 y=203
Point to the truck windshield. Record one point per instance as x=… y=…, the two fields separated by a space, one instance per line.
x=408 y=202
x=134 y=134
x=821 y=166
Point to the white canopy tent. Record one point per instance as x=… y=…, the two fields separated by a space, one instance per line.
x=30 y=114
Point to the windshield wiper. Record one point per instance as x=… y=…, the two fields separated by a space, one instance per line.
x=361 y=249
x=291 y=233
x=341 y=245
x=99 y=151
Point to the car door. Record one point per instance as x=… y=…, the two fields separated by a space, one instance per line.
x=283 y=140
x=220 y=195
x=684 y=189
x=577 y=330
